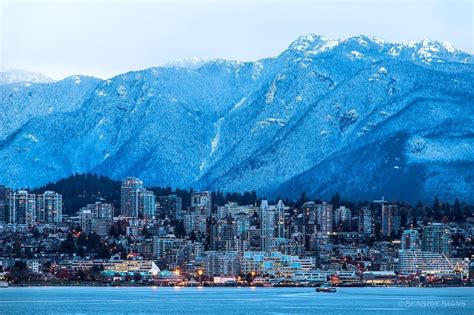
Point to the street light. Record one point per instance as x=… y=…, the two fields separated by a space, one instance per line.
x=200 y=272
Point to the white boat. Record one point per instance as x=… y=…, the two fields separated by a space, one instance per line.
x=326 y=288
x=3 y=284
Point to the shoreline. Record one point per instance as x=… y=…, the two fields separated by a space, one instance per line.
x=131 y=285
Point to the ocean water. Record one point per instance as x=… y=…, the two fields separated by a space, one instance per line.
x=111 y=300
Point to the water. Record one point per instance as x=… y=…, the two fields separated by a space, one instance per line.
x=107 y=300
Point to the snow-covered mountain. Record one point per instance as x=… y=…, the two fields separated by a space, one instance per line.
x=22 y=76
x=360 y=116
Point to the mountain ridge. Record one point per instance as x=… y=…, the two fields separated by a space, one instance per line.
x=264 y=125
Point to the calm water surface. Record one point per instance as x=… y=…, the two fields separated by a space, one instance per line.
x=106 y=300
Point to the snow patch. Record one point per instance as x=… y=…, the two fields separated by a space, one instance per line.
x=272 y=121
x=239 y=104
x=356 y=55
x=394 y=51
x=32 y=138
x=361 y=42
x=382 y=70
x=327 y=45
x=122 y=91
x=217 y=136
x=257 y=69
x=271 y=93
x=101 y=93
x=378 y=40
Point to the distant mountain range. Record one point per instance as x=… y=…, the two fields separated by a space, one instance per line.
x=22 y=76
x=360 y=116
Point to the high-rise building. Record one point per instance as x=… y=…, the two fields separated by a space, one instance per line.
x=365 y=221
x=309 y=215
x=325 y=217
x=22 y=208
x=49 y=207
x=146 y=204
x=222 y=233
x=201 y=203
x=280 y=219
x=267 y=226
x=96 y=218
x=4 y=198
x=390 y=219
x=342 y=214
x=136 y=201
x=169 y=205
x=410 y=240
x=437 y=239
x=85 y=219
x=128 y=194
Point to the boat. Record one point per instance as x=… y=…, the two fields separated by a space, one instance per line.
x=3 y=284
x=326 y=288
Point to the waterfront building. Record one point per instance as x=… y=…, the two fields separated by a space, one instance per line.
x=379 y=277
x=169 y=251
x=417 y=261
x=410 y=240
x=49 y=207
x=275 y=263
x=437 y=239
x=222 y=263
x=318 y=276
x=22 y=208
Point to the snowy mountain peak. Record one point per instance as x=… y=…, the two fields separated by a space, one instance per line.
x=188 y=63
x=22 y=76
x=313 y=44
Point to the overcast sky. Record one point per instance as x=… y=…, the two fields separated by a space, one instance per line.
x=107 y=38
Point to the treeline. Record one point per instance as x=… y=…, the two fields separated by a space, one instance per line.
x=80 y=189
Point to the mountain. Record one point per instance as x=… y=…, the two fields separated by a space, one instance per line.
x=361 y=116
x=22 y=76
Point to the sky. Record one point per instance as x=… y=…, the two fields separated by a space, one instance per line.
x=106 y=38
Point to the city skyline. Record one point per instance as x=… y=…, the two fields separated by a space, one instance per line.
x=267 y=244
